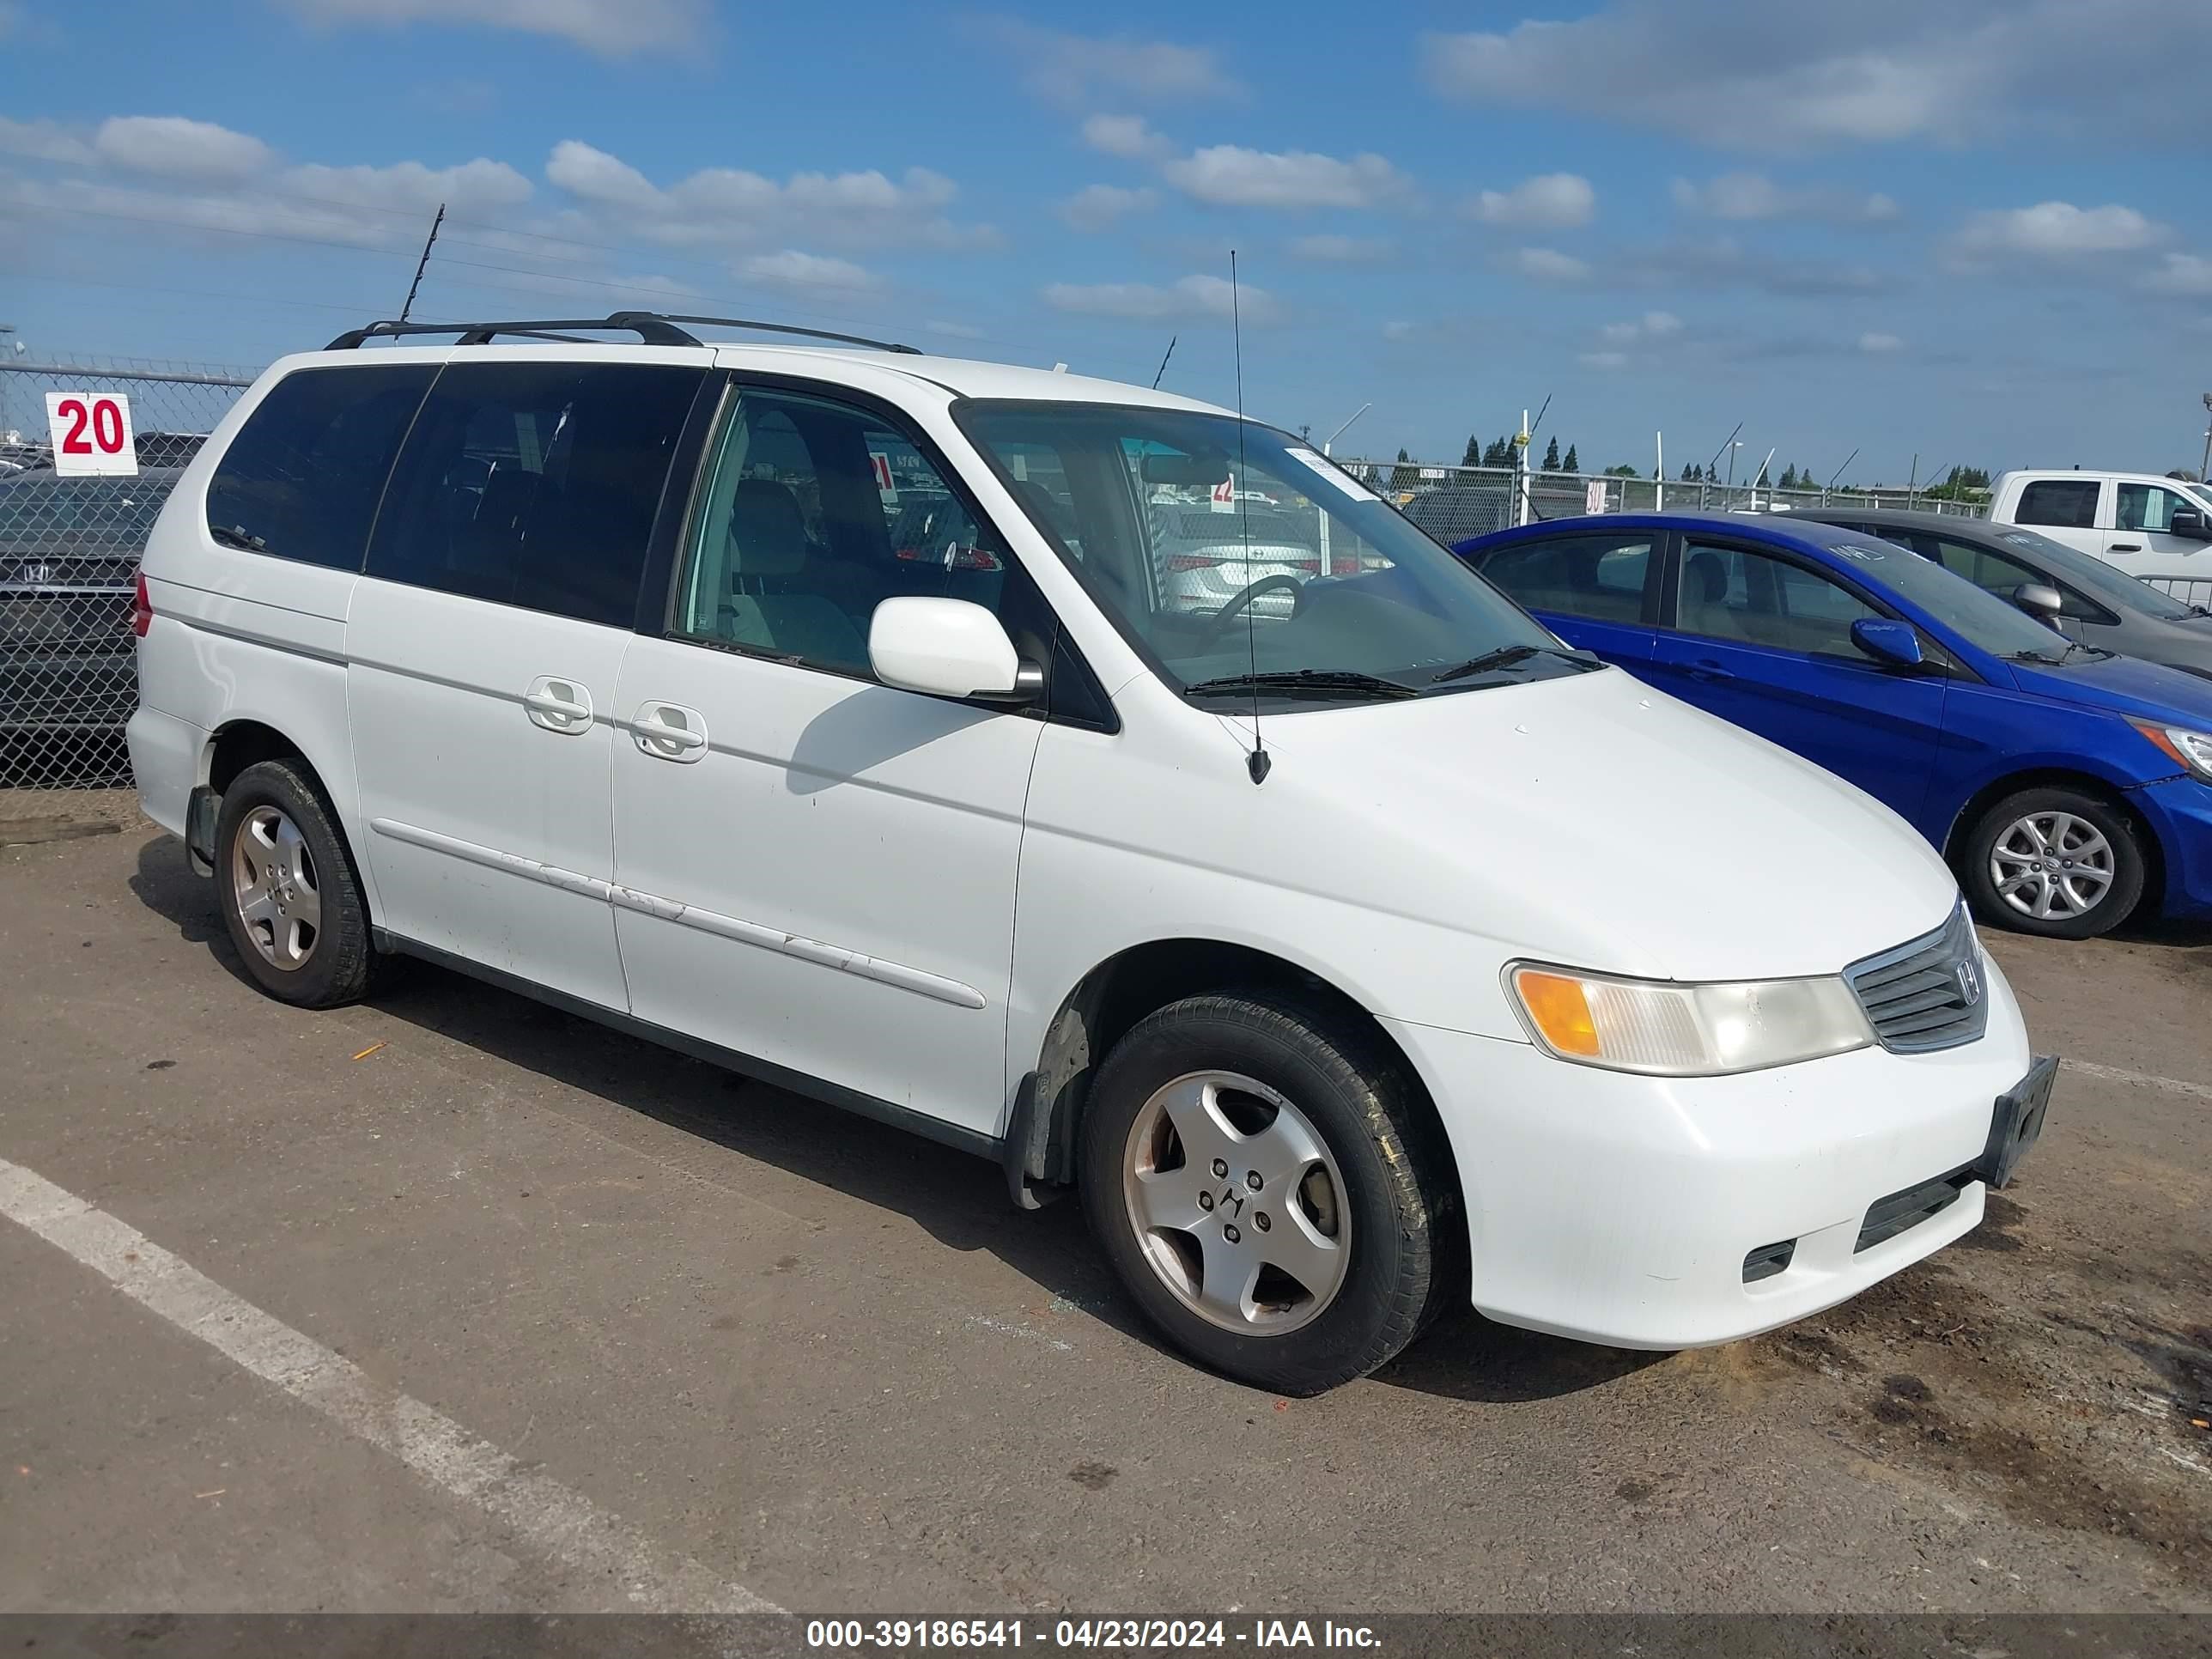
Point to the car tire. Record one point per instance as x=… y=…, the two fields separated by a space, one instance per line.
x=1271 y=1083
x=2016 y=860
x=290 y=898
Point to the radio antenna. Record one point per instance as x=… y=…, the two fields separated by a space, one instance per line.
x=1165 y=355
x=1256 y=762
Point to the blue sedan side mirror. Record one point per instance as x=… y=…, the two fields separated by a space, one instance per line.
x=1895 y=643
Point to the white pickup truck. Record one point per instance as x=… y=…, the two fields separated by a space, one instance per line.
x=2158 y=529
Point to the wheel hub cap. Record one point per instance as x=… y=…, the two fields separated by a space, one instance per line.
x=273 y=881
x=1236 y=1203
x=2053 y=866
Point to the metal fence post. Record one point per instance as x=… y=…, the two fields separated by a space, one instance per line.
x=68 y=557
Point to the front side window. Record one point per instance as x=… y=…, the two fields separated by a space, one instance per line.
x=2065 y=503
x=2094 y=576
x=1993 y=573
x=1240 y=562
x=2147 y=507
x=813 y=512
x=1982 y=619
x=1734 y=593
x=1599 y=578
x=302 y=478
x=535 y=484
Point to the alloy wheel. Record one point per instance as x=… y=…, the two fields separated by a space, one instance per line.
x=273 y=879
x=1237 y=1204
x=2051 y=865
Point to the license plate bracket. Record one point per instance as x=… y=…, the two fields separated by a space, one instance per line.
x=2016 y=1122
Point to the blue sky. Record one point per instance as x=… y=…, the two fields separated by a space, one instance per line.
x=1977 y=230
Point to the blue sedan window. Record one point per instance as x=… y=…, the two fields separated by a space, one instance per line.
x=1985 y=620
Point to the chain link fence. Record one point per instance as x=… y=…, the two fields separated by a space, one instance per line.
x=1455 y=502
x=69 y=555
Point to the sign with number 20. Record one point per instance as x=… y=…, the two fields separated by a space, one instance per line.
x=91 y=434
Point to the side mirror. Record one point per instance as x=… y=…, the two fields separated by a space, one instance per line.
x=2187 y=521
x=1894 y=643
x=2040 y=600
x=949 y=648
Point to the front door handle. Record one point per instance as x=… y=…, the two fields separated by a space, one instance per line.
x=670 y=731
x=558 y=705
x=1710 y=670
x=2125 y=547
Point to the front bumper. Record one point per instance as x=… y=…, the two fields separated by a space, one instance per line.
x=1625 y=1210
x=2180 y=811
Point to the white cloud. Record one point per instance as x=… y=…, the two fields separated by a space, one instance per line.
x=792 y=269
x=953 y=331
x=1333 y=250
x=1399 y=330
x=613 y=28
x=729 y=206
x=1746 y=74
x=172 y=147
x=1072 y=70
x=1193 y=296
x=1126 y=136
x=1603 y=359
x=1096 y=206
x=1651 y=325
x=1229 y=175
x=1745 y=196
x=1551 y=201
x=1872 y=342
x=2182 y=273
x=2057 y=230
x=45 y=141
x=473 y=187
x=1546 y=264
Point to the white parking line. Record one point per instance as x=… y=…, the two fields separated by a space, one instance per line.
x=562 y=1523
x=2116 y=1074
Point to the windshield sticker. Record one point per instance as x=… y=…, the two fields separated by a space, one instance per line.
x=2019 y=540
x=1858 y=550
x=1329 y=472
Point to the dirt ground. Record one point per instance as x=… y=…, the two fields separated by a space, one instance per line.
x=807 y=1356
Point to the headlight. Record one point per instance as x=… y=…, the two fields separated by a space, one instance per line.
x=2192 y=749
x=1666 y=1030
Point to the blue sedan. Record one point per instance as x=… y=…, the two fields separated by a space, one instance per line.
x=2068 y=786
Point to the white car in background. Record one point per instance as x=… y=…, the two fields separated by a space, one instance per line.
x=2157 y=528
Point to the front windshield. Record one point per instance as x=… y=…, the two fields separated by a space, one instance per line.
x=2095 y=576
x=2203 y=492
x=1980 y=619
x=1239 y=562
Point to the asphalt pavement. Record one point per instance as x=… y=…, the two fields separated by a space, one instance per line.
x=452 y=1302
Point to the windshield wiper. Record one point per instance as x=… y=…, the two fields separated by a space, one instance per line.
x=225 y=537
x=1506 y=656
x=1302 y=682
x=2044 y=657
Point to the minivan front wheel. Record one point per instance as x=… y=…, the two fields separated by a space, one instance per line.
x=2054 y=861
x=289 y=896
x=1259 y=1174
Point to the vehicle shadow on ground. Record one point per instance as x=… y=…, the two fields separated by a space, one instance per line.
x=959 y=1199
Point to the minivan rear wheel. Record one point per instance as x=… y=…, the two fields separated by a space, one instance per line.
x=289 y=898
x=2056 y=862
x=1268 y=1190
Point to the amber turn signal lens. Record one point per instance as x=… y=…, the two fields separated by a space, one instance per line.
x=1561 y=1009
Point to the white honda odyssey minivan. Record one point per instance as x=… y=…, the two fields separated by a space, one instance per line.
x=1353 y=946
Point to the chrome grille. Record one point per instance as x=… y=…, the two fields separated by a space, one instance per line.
x=1931 y=993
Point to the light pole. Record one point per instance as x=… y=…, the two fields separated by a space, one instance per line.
x=1734 y=444
x=1364 y=407
x=1323 y=567
x=2205 y=470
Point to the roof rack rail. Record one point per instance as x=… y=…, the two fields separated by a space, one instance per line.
x=651 y=327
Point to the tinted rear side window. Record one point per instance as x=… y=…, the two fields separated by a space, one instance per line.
x=535 y=484
x=302 y=478
x=2069 y=503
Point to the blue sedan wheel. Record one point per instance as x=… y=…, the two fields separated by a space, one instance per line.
x=2056 y=862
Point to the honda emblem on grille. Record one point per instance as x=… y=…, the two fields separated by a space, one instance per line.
x=1970 y=982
